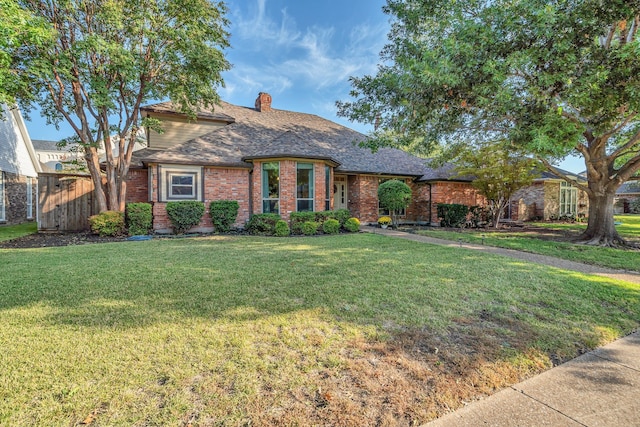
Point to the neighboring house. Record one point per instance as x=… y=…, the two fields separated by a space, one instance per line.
x=627 y=192
x=19 y=169
x=278 y=161
x=54 y=158
x=549 y=197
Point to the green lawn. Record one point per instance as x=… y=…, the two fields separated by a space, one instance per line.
x=546 y=245
x=629 y=226
x=8 y=232
x=343 y=330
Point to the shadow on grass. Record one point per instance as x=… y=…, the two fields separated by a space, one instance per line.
x=443 y=325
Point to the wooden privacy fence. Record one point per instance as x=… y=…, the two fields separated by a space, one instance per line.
x=66 y=202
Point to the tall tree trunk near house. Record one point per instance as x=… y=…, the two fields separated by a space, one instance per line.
x=601 y=230
x=93 y=164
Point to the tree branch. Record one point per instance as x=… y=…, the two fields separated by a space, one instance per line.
x=557 y=172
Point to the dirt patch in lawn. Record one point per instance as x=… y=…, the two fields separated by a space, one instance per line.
x=413 y=377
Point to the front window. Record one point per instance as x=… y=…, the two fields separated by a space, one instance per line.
x=304 y=187
x=271 y=187
x=181 y=185
x=2 y=217
x=327 y=181
x=568 y=199
x=29 y=198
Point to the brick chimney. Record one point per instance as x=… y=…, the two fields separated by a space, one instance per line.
x=263 y=102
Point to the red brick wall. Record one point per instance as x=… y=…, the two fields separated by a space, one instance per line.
x=453 y=192
x=418 y=209
x=288 y=178
x=363 y=197
x=219 y=184
x=137 y=186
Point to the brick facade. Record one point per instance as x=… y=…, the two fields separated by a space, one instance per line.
x=542 y=200
x=219 y=184
x=138 y=186
x=15 y=198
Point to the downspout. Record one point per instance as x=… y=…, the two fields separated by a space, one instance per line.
x=430 y=206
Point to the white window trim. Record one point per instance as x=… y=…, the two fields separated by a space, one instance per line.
x=164 y=175
x=29 y=198
x=571 y=191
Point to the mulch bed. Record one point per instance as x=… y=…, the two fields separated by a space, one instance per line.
x=43 y=240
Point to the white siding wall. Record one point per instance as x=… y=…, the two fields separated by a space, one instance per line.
x=14 y=154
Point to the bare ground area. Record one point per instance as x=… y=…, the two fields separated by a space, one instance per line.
x=41 y=240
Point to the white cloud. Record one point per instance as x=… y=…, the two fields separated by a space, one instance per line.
x=262 y=31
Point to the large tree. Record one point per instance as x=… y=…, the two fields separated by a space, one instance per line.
x=97 y=62
x=556 y=77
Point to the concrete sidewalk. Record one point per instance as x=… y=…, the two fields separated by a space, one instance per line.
x=599 y=388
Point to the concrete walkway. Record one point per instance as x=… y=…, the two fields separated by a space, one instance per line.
x=599 y=388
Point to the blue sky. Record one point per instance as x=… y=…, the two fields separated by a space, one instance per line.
x=301 y=52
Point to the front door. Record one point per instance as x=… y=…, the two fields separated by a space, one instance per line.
x=340 y=193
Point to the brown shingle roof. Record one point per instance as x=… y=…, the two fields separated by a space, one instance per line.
x=280 y=133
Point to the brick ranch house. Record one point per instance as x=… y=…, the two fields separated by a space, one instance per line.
x=549 y=197
x=278 y=161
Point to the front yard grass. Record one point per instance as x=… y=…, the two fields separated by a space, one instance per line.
x=8 y=232
x=549 y=244
x=343 y=330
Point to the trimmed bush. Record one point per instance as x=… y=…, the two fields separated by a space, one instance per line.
x=185 y=215
x=342 y=215
x=282 y=228
x=331 y=226
x=223 y=214
x=309 y=228
x=352 y=225
x=634 y=205
x=299 y=218
x=107 y=223
x=264 y=224
x=139 y=218
x=452 y=215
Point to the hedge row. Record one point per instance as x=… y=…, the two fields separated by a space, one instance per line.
x=184 y=215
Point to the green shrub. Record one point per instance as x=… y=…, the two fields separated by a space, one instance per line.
x=342 y=215
x=352 y=225
x=139 y=218
x=282 y=228
x=107 y=223
x=452 y=215
x=264 y=224
x=394 y=195
x=634 y=205
x=322 y=216
x=299 y=218
x=185 y=215
x=223 y=214
x=309 y=228
x=331 y=226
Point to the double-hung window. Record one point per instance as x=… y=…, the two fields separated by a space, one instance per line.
x=568 y=199
x=271 y=187
x=180 y=183
x=304 y=187
x=29 y=198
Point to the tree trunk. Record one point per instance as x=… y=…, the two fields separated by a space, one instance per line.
x=601 y=229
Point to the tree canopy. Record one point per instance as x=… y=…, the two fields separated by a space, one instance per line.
x=555 y=77
x=97 y=62
x=498 y=173
x=394 y=195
